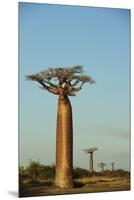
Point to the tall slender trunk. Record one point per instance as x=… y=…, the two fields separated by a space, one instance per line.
x=91 y=164
x=112 y=168
x=102 y=170
x=64 y=143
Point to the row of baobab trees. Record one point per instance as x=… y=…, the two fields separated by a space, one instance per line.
x=102 y=165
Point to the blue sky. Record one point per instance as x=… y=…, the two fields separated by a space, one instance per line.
x=98 y=39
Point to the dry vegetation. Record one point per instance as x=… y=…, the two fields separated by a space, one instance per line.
x=38 y=180
x=82 y=185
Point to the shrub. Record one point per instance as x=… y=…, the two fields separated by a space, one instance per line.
x=79 y=172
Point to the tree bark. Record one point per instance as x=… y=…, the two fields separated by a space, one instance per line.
x=91 y=164
x=112 y=168
x=64 y=143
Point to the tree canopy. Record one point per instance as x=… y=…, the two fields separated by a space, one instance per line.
x=66 y=81
x=102 y=165
x=90 y=150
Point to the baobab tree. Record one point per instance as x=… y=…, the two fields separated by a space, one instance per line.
x=112 y=165
x=63 y=82
x=102 y=165
x=90 y=151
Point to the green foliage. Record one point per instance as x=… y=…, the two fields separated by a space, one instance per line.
x=47 y=172
x=115 y=173
x=121 y=173
x=23 y=174
x=33 y=169
x=79 y=172
x=37 y=173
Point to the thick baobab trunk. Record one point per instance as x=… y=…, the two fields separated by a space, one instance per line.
x=64 y=144
x=91 y=164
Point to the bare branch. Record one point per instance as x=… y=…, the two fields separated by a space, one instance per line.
x=50 y=89
x=49 y=83
x=76 y=82
x=44 y=86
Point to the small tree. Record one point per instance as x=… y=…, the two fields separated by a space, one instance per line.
x=102 y=165
x=79 y=172
x=22 y=174
x=90 y=151
x=33 y=169
x=112 y=165
x=47 y=172
x=63 y=82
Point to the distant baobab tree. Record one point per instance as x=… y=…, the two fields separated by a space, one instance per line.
x=90 y=151
x=112 y=165
x=63 y=82
x=102 y=165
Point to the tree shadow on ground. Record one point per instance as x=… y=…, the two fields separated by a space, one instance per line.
x=78 y=184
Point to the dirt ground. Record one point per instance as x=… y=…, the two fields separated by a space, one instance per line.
x=83 y=185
